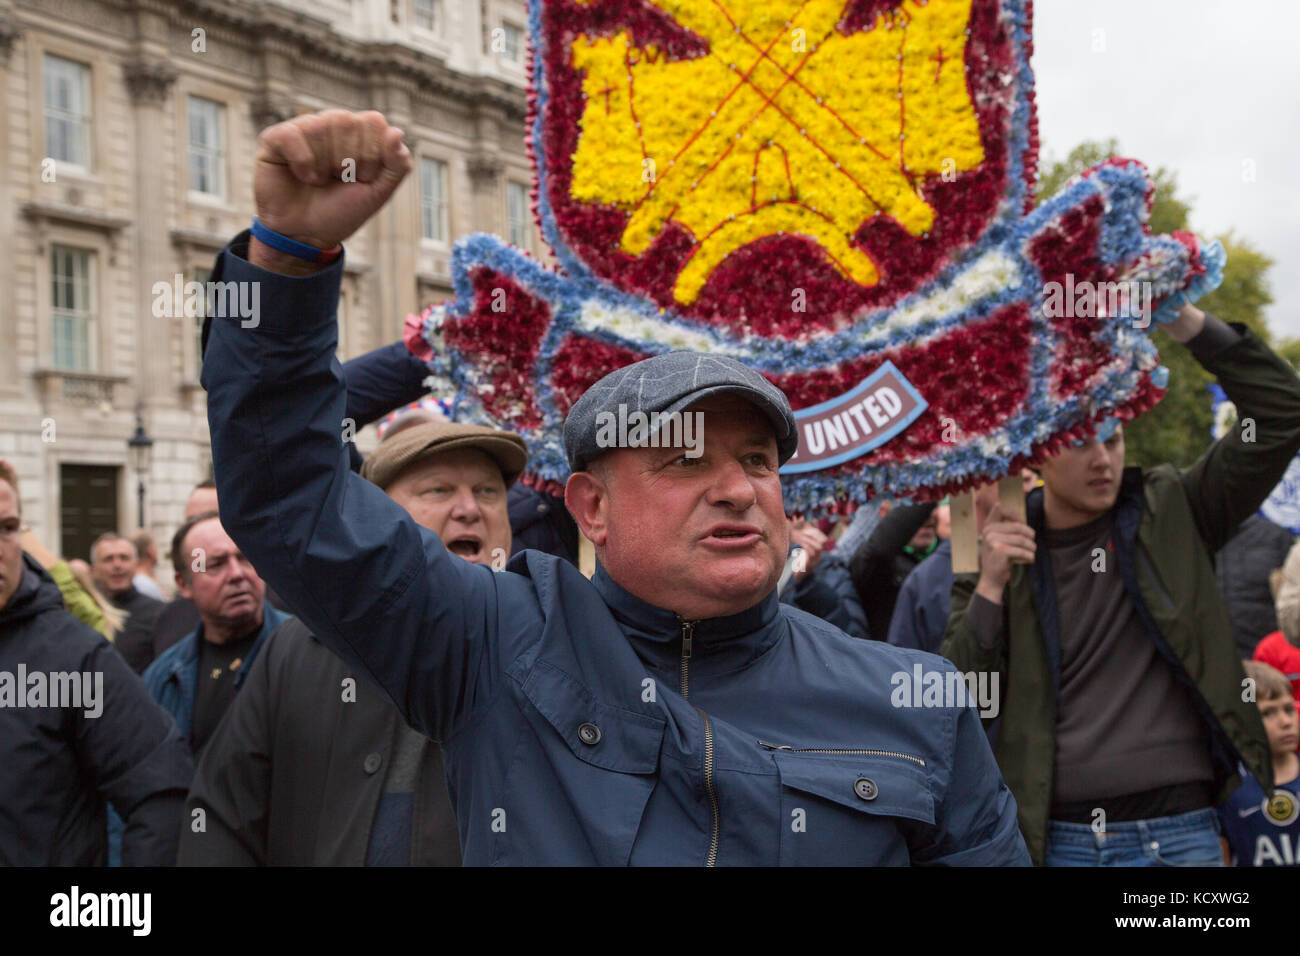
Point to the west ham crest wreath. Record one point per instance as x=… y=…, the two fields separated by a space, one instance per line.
x=839 y=194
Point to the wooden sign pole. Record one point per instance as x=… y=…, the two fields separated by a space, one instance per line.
x=1011 y=495
x=965 y=535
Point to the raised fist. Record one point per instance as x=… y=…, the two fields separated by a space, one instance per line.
x=320 y=176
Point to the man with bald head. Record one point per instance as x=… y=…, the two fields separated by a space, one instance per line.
x=179 y=616
x=669 y=711
x=196 y=679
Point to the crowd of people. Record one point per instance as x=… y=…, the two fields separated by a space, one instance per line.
x=395 y=660
x=227 y=713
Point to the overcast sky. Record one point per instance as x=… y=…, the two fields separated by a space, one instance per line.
x=1199 y=87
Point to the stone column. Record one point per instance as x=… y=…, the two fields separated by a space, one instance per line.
x=393 y=235
x=485 y=171
x=274 y=102
x=150 y=78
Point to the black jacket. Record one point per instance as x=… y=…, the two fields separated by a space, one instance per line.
x=541 y=522
x=829 y=594
x=61 y=765
x=177 y=618
x=1242 y=568
x=294 y=773
x=881 y=565
x=135 y=641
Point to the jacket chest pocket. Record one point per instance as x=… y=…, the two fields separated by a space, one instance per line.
x=852 y=809
x=576 y=791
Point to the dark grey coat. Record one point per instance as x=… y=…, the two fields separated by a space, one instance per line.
x=293 y=774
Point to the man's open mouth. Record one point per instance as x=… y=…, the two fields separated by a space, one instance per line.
x=740 y=534
x=467 y=547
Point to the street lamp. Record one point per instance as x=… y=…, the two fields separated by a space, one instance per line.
x=141 y=446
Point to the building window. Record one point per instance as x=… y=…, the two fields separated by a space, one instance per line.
x=207 y=149
x=517 y=214
x=426 y=14
x=514 y=42
x=433 y=199
x=72 y=308
x=201 y=276
x=67 y=111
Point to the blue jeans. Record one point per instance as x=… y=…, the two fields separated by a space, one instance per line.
x=1188 y=839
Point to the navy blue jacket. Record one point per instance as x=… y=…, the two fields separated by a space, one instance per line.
x=581 y=725
x=924 y=603
x=542 y=522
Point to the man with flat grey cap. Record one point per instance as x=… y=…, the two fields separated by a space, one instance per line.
x=669 y=711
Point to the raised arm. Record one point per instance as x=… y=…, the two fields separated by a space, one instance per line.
x=1231 y=480
x=376 y=588
x=381 y=380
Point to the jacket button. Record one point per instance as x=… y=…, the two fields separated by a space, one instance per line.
x=542 y=509
x=589 y=734
x=372 y=762
x=866 y=789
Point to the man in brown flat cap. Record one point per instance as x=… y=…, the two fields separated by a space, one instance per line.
x=337 y=775
x=453 y=480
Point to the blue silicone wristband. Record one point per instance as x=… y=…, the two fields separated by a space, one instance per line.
x=289 y=246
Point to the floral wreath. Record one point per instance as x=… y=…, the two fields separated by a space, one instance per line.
x=823 y=190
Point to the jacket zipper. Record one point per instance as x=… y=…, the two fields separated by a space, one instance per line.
x=816 y=750
x=688 y=639
x=708 y=785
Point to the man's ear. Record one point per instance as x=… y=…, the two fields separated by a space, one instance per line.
x=586 y=496
x=182 y=588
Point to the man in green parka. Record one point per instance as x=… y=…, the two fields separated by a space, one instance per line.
x=1124 y=710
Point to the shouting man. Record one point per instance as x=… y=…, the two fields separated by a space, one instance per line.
x=668 y=711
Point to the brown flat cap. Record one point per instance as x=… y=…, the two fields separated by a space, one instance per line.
x=418 y=442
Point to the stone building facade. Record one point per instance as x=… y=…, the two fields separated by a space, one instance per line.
x=128 y=131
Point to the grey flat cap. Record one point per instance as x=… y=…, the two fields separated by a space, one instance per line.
x=669 y=383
